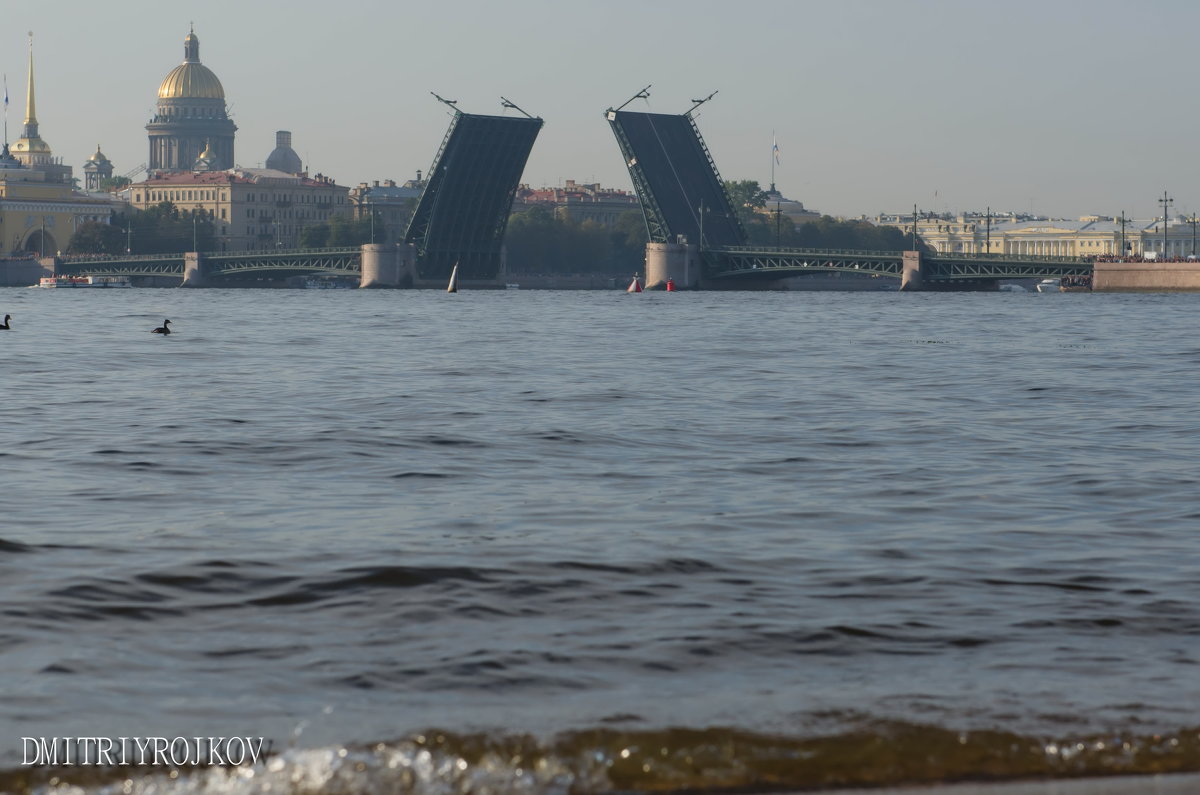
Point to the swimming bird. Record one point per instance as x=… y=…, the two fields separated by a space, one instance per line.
x=4 y=326
x=163 y=328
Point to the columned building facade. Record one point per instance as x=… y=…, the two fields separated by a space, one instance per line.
x=191 y=117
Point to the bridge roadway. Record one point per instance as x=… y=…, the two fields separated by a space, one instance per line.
x=279 y=263
x=742 y=262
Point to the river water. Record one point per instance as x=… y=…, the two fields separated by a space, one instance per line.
x=592 y=541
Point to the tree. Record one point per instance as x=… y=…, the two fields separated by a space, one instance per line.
x=344 y=231
x=95 y=237
x=746 y=196
x=113 y=183
x=163 y=229
x=538 y=241
x=315 y=236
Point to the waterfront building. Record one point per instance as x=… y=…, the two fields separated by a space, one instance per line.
x=38 y=212
x=1023 y=235
x=578 y=202
x=250 y=208
x=39 y=207
x=191 y=117
x=389 y=205
x=774 y=204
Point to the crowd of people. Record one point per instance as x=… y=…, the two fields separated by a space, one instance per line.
x=1143 y=258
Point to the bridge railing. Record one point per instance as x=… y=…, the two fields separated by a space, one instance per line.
x=77 y=258
x=996 y=257
x=282 y=252
x=253 y=253
x=827 y=253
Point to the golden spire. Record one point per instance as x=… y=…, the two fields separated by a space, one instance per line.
x=30 y=110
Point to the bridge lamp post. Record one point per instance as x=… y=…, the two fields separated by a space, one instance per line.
x=1166 y=202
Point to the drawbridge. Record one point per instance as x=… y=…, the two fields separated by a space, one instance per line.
x=684 y=201
x=463 y=211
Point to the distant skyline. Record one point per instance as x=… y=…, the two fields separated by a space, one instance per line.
x=1058 y=108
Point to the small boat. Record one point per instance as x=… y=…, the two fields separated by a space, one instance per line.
x=453 y=286
x=1049 y=286
x=1011 y=288
x=325 y=284
x=84 y=281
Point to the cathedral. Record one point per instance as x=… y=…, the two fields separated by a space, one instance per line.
x=191 y=120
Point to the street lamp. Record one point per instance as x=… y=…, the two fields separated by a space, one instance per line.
x=1166 y=202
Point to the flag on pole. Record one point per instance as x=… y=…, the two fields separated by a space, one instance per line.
x=6 y=92
x=774 y=143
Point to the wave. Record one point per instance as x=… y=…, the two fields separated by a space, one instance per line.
x=674 y=760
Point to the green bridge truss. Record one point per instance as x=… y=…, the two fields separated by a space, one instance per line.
x=288 y=262
x=731 y=263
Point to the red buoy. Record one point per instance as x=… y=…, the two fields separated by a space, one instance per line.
x=670 y=285
x=635 y=286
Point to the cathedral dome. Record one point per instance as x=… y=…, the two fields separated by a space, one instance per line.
x=191 y=79
x=284 y=157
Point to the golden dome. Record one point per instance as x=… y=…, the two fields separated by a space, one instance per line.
x=191 y=79
x=33 y=146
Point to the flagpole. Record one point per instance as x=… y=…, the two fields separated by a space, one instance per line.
x=774 y=149
x=6 y=110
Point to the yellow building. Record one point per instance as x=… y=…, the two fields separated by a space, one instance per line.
x=39 y=207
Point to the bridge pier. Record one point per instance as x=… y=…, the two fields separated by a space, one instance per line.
x=193 y=270
x=679 y=262
x=380 y=266
x=910 y=273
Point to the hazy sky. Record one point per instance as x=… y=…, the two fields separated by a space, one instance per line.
x=1063 y=107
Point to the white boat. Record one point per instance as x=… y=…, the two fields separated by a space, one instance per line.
x=1012 y=288
x=1049 y=286
x=84 y=281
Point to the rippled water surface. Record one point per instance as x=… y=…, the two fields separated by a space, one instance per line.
x=342 y=518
